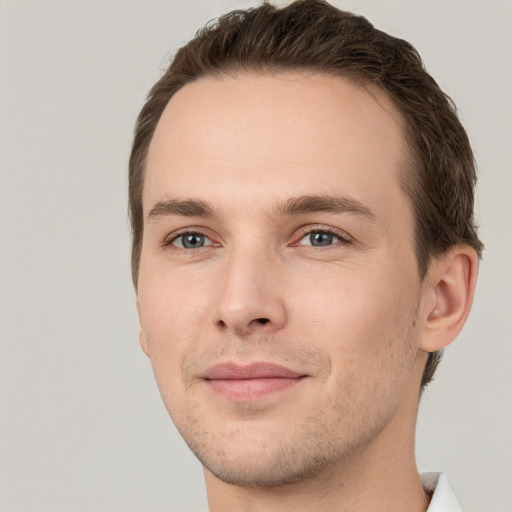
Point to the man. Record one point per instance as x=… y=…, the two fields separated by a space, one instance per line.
x=301 y=197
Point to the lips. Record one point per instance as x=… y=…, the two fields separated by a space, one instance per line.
x=249 y=382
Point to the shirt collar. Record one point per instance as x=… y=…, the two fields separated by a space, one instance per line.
x=443 y=498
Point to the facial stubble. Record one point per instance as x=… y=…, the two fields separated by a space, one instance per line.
x=263 y=448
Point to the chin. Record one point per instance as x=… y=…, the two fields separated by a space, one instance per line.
x=267 y=463
x=258 y=471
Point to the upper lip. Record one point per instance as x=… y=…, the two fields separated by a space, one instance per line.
x=258 y=370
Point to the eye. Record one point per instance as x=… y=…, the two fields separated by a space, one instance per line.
x=191 y=241
x=321 y=238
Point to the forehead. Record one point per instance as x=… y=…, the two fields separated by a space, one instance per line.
x=275 y=134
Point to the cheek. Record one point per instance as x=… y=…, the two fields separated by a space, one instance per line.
x=172 y=314
x=364 y=321
x=371 y=343
x=172 y=311
x=350 y=302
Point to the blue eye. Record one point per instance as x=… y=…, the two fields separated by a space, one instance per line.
x=191 y=241
x=320 y=239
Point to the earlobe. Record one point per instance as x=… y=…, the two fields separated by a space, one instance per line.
x=143 y=341
x=450 y=286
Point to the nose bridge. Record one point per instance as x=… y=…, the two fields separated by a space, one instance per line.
x=250 y=298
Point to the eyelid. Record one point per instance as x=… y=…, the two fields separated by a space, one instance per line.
x=172 y=237
x=297 y=237
x=344 y=237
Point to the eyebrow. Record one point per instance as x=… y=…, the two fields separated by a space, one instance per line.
x=329 y=204
x=293 y=206
x=188 y=208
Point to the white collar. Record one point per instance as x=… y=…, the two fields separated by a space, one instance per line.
x=443 y=499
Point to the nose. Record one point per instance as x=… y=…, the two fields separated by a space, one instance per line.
x=251 y=295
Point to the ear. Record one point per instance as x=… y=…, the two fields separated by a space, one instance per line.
x=449 y=288
x=143 y=340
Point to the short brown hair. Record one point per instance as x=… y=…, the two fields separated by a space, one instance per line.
x=314 y=36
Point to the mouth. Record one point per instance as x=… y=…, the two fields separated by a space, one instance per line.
x=250 y=382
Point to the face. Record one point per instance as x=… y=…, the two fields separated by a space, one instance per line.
x=278 y=290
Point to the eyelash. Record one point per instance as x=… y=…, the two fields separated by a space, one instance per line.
x=171 y=238
x=344 y=239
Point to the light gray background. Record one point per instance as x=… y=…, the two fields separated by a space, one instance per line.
x=81 y=423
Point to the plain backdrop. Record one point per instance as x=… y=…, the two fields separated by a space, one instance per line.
x=82 y=427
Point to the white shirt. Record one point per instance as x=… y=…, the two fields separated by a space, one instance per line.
x=443 y=499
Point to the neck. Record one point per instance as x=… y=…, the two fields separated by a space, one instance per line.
x=379 y=477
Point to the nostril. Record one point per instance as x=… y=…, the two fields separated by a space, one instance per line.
x=240 y=327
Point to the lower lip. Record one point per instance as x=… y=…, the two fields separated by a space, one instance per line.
x=250 y=389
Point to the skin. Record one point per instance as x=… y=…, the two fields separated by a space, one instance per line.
x=352 y=315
